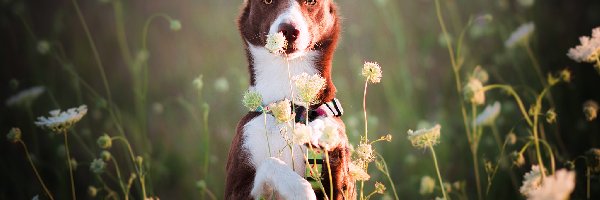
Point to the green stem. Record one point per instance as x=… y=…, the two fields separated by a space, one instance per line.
x=551 y=154
x=536 y=64
x=387 y=173
x=329 y=172
x=267 y=133
x=70 y=166
x=119 y=178
x=37 y=174
x=364 y=104
x=512 y=92
x=437 y=169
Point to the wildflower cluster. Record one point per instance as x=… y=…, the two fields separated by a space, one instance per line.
x=60 y=122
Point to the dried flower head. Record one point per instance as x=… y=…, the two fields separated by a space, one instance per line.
x=364 y=151
x=518 y=159
x=92 y=191
x=424 y=138
x=590 y=109
x=308 y=87
x=531 y=181
x=593 y=157
x=252 y=100
x=556 y=187
x=104 y=141
x=489 y=115
x=301 y=134
x=379 y=188
x=73 y=163
x=60 y=122
x=358 y=173
x=14 y=135
x=427 y=185
x=372 y=72
x=480 y=74
x=106 y=156
x=551 y=116
x=511 y=138
x=520 y=35
x=589 y=49
x=97 y=166
x=473 y=92
x=175 y=25
x=276 y=43
x=282 y=110
x=387 y=137
x=565 y=75
x=25 y=97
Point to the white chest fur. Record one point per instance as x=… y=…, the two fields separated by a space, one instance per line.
x=272 y=78
x=264 y=139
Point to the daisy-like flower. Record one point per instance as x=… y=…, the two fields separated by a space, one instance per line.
x=473 y=91
x=14 y=135
x=424 y=138
x=590 y=109
x=97 y=166
x=252 y=100
x=302 y=134
x=531 y=181
x=556 y=187
x=372 y=72
x=427 y=185
x=520 y=35
x=276 y=43
x=60 y=122
x=25 y=97
x=357 y=173
x=282 y=110
x=589 y=49
x=308 y=88
x=175 y=25
x=364 y=152
x=325 y=133
x=489 y=114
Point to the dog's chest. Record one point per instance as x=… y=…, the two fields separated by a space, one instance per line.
x=264 y=138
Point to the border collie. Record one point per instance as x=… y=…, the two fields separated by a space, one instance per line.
x=260 y=164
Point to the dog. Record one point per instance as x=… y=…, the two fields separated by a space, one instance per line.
x=259 y=163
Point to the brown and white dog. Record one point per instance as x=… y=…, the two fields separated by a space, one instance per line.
x=311 y=28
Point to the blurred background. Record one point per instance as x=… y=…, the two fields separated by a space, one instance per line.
x=175 y=92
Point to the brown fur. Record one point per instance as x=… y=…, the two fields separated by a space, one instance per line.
x=254 y=22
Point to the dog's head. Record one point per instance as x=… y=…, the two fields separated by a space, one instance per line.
x=306 y=24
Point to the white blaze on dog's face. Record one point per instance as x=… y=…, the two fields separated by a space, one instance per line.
x=304 y=23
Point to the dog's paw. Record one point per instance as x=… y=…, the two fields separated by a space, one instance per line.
x=274 y=177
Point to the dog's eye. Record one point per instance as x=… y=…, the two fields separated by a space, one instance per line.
x=268 y=1
x=310 y=2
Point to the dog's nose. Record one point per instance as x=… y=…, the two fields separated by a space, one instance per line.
x=289 y=31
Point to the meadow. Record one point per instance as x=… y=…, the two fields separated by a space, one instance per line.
x=156 y=89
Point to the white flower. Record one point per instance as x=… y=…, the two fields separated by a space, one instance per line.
x=531 y=181
x=427 y=185
x=282 y=110
x=325 y=133
x=364 y=152
x=520 y=35
x=357 y=173
x=308 y=88
x=589 y=50
x=372 y=72
x=222 y=84
x=25 y=97
x=43 y=47
x=276 y=43
x=489 y=114
x=97 y=166
x=423 y=138
x=301 y=134
x=59 y=122
x=556 y=187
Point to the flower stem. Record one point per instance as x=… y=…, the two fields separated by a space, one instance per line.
x=70 y=166
x=437 y=169
x=120 y=179
x=37 y=174
x=365 y=109
x=329 y=172
x=536 y=64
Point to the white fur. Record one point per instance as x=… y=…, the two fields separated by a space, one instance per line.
x=271 y=72
x=275 y=174
x=293 y=15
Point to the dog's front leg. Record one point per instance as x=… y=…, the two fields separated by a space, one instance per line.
x=273 y=176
